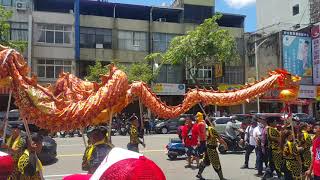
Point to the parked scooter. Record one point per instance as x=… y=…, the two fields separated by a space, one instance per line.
x=175 y=148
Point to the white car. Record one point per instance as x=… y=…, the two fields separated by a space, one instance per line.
x=221 y=124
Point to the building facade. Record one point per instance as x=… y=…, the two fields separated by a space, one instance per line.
x=274 y=15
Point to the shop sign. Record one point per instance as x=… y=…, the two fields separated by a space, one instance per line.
x=316 y=54
x=228 y=87
x=307 y=92
x=169 y=89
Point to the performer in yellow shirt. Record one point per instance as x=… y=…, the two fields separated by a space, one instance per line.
x=29 y=165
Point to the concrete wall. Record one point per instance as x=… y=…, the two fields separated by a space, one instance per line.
x=96 y=21
x=93 y=54
x=130 y=56
x=53 y=18
x=273 y=12
x=165 y=27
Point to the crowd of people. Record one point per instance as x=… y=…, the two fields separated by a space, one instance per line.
x=291 y=152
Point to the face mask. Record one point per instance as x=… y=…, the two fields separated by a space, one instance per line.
x=260 y=125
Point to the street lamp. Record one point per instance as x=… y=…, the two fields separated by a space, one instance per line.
x=256 y=48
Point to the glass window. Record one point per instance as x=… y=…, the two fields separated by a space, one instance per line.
x=205 y=75
x=18 y=31
x=54 y=34
x=6 y=2
x=89 y=37
x=161 y=41
x=51 y=69
x=295 y=10
x=170 y=74
x=130 y=40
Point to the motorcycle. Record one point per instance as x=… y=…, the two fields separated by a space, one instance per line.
x=234 y=146
x=175 y=148
x=124 y=129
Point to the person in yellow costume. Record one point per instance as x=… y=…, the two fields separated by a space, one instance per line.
x=96 y=150
x=305 y=142
x=29 y=165
x=211 y=155
x=15 y=145
x=292 y=160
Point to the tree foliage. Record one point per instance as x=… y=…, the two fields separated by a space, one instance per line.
x=137 y=71
x=205 y=45
x=5 y=15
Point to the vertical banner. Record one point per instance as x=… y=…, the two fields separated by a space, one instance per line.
x=315 y=33
x=218 y=70
x=297 y=55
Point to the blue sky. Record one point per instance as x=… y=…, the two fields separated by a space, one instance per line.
x=244 y=7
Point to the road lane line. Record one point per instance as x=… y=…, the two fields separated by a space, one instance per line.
x=74 y=155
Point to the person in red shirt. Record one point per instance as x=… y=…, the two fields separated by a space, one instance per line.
x=190 y=140
x=201 y=125
x=315 y=163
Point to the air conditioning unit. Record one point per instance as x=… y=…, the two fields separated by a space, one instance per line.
x=21 y=6
x=99 y=46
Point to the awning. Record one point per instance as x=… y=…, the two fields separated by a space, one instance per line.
x=4 y=91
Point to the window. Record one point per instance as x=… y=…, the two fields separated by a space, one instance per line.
x=222 y=121
x=252 y=61
x=129 y=40
x=51 y=69
x=170 y=74
x=205 y=74
x=295 y=10
x=90 y=37
x=55 y=34
x=19 y=31
x=233 y=75
x=161 y=41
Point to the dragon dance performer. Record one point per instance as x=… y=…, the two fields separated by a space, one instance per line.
x=96 y=150
x=292 y=159
x=201 y=126
x=274 y=152
x=133 y=145
x=29 y=165
x=305 y=142
x=15 y=145
x=211 y=154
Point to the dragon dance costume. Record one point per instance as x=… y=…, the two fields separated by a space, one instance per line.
x=29 y=166
x=17 y=145
x=211 y=155
x=292 y=161
x=274 y=151
x=305 y=142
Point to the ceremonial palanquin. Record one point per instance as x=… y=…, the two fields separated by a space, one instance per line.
x=73 y=103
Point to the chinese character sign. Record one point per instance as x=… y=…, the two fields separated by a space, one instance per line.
x=297 y=55
x=316 y=54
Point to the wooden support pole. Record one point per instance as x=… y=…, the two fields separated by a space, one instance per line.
x=110 y=127
x=84 y=138
x=6 y=119
x=29 y=139
x=141 y=117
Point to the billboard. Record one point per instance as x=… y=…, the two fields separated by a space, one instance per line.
x=297 y=55
x=169 y=89
x=315 y=33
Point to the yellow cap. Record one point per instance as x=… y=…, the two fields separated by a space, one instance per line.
x=199 y=116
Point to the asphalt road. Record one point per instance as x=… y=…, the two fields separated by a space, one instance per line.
x=70 y=151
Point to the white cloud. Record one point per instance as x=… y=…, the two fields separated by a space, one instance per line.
x=239 y=3
x=164 y=4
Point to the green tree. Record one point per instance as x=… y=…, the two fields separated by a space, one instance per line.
x=137 y=71
x=5 y=15
x=206 y=45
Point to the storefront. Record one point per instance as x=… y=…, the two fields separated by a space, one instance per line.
x=305 y=103
x=171 y=94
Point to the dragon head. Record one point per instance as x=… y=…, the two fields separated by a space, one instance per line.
x=12 y=64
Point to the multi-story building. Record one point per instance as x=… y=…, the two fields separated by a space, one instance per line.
x=70 y=35
x=20 y=29
x=274 y=15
